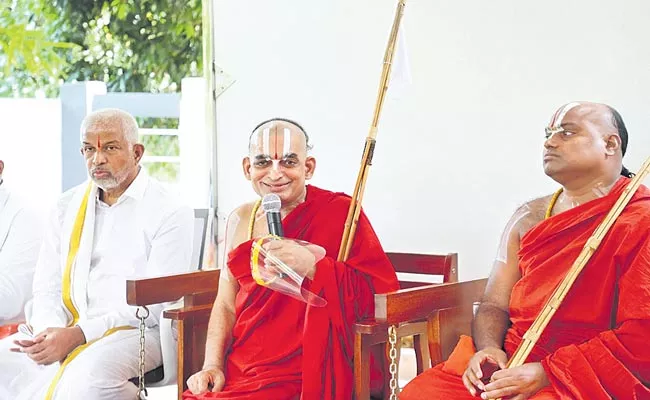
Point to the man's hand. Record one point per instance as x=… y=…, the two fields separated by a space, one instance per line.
x=517 y=383
x=51 y=345
x=211 y=379
x=301 y=259
x=481 y=366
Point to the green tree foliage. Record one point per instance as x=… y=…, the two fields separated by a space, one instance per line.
x=131 y=45
x=31 y=60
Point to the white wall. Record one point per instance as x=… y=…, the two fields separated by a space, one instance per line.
x=462 y=148
x=30 y=146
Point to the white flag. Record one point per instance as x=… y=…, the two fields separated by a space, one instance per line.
x=400 y=75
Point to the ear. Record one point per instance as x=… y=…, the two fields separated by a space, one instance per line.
x=2 y=166
x=310 y=167
x=246 y=166
x=138 y=151
x=612 y=144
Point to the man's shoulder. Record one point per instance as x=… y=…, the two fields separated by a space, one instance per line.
x=243 y=211
x=163 y=196
x=66 y=197
x=320 y=196
x=529 y=214
x=538 y=205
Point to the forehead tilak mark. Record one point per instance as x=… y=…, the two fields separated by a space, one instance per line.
x=265 y=140
x=275 y=148
x=556 y=122
x=286 y=145
x=561 y=113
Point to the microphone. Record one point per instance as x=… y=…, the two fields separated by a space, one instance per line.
x=271 y=204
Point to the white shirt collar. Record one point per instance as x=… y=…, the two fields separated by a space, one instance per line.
x=139 y=185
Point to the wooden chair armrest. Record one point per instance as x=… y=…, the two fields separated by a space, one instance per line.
x=146 y=291
x=186 y=313
x=418 y=303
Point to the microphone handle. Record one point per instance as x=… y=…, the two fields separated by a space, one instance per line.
x=274 y=221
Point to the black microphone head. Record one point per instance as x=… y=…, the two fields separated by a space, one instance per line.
x=271 y=203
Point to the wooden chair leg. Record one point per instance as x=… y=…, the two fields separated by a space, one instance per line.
x=361 y=367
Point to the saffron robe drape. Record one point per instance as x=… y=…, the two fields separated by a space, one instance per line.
x=595 y=347
x=285 y=349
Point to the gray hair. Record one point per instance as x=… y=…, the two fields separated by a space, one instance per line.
x=108 y=116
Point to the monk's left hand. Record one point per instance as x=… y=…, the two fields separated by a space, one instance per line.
x=517 y=383
x=299 y=258
x=54 y=344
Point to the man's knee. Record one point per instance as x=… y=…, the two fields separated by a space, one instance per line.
x=89 y=388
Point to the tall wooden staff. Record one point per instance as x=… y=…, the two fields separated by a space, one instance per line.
x=368 y=151
x=554 y=302
x=209 y=73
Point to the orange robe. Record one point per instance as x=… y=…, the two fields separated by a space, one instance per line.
x=595 y=347
x=284 y=349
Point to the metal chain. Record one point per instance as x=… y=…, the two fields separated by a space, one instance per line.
x=392 y=354
x=142 y=391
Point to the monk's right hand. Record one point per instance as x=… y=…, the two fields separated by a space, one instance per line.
x=211 y=379
x=481 y=366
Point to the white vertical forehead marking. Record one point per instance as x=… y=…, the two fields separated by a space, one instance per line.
x=286 y=145
x=265 y=141
x=559 y=116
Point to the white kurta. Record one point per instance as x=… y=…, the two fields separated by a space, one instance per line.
x=20 y=239
x=146 y=233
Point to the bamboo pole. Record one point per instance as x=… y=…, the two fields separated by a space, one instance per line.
x=209 y=72
x=368 y=151
x=541 y=321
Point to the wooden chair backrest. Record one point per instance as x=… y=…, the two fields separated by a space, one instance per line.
x=424 y=266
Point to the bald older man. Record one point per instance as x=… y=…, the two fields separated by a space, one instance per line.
x=119 y=224
x=263 y=344
x=595 y=347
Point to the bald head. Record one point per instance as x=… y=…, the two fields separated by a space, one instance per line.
x=584 y=139
x=111 y=119
x=275 y=125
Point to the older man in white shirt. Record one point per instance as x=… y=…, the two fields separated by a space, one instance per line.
x=20 y=239
x=120 y=224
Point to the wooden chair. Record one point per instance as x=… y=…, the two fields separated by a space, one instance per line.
x=413 y=270
x=199 y=290
x=447 y=309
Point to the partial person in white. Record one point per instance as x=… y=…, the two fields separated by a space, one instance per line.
x=120 y=224
x=20 y=239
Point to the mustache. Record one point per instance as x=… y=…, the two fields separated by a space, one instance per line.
x=93 y=170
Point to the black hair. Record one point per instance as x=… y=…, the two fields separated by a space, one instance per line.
x=617 y=122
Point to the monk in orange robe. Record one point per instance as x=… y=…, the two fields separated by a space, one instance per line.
x=263 y=344
x=595 y=347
